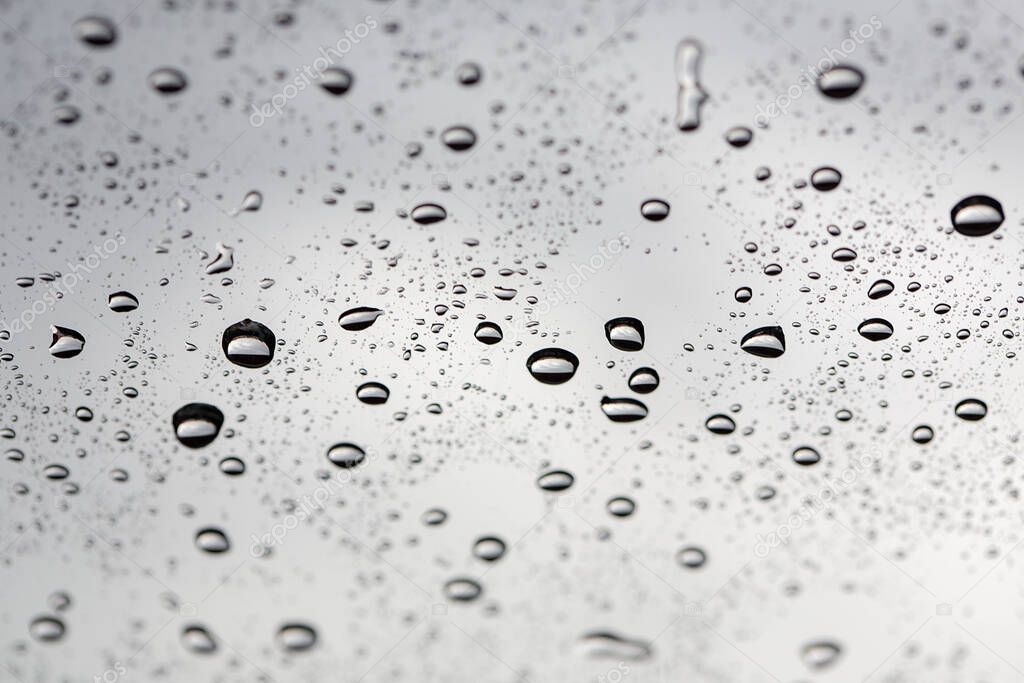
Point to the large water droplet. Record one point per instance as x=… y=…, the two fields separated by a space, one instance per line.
x=971 y=409
x=880 y=288
x=840 y=82
x=489 y=548
x=720 y=424
x=426 y=214
x=977 y=215
x=644 y=380
x=346 y=455
x=806 y=456
x=826 y=179
x=875 y=329
x=373 y=393
x=336 y=80
x=552 y=365
x=623 y=409
x=458 y=138
x=249 y=344
x=767 y=342
x=122 y=302
x=655 y=210
x=488 y=333
x=212 y=540
x=197 y=424
x=922 y=434
x=65 y=343
x=167 y=80
x=691 y=94
x=625 y=334
x=359 y=318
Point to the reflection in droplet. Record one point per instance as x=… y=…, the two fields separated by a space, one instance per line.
x=552 y=365
x=462 y=589
x=625 y=334
x=359 y=318
x=971 y=409
x=346 y=455
x=875 y=329
x=691 y=557
x=426 y=214
x=623 y=409
x=212 y=540
x=826 y=178
x=806 y=456
x=766 y=342
x=468 y=73
x=249 y=344
x=739 y=136
x=922 y=434
x=336 y=80
x=621 y=506
x=458 y=138
x=197 y=424
x=841 y=81
x=296 y=637
x=122 y=302
x=232 y=466
x=66 y=343
x=489 y=548
x=488 y=333
x=644 y=380
x=555 y=480
x=96 y=31
x=373 y=393
x=743 y=294
x=691 y=94
x=977 y=215
x=167 y=80
x=655 y=210
x=880 y=288
x=720 y=424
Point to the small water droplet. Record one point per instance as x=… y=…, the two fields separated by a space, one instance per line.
x=212 y=540
x=806 y=456
x=458 y=138
x=167 y=80
x=489 y=548
x=841 y=81
x=336 y=80
x=296 y=637
x=96 y=31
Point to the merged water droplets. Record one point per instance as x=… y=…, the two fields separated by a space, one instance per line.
x=625 y=334
x=223 y=261
x=249 y=344
x=841 y=81
x=977 y=215
x=691 y=94
x=65 y=342
x=197 y=424
x=766 y=342
x=552 y=365
x=359 y=318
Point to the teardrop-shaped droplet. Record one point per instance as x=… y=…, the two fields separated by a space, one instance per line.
x=252 y=201
x=427 y=214
x=346 y=455
x=655 y=210
x=552 y=365
x=806 y=456
x=625 y=334
x=249 y=344
x=212 y=540
x=977 y=215
x=644 y=380
x=458 y=138
x=826 y=179
x=880 y=288
x=875 y=329
x=197 y=424
x=971 y=409
x=167 y=80
x=96 y=31
x=623 y=409
x=720 y=424
x=66 y=343
x=766 y=342
x=488 y=333
x=122 y=302
x=373 y=393
x=841 y=81
x=359 y=318
x=296 y=637
x=336 y=80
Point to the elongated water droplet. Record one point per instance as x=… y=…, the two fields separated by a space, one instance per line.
x=691 y=94
x=971 y=409
x=820 y=654
x=841 y=81
x=46 y=629
x=222 y=262
x=609 y=645
x=875 y=329
x=359 y=318
x=96 y=31
x=346 y=455
x=427 y=214
x=462 y=589
x=296 y=637
x=167 y=80
x=623 y=409
x=65 y=343
x=458 y=138
x=555 y=480
x=880 y=288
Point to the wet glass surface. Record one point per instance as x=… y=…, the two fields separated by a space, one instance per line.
x=511 y=341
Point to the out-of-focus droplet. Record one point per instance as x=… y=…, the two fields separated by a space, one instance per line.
x=336 y=80
x=167 y=80
x=197 y=640
x=96 y=31
x=296 y=637
x=841 y=81
x=625 y=334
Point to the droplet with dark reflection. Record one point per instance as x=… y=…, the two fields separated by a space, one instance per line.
x=373 y=393
x=644 y=380
x=197 y=424
x=346 y=455
x=552 y=365
x=249 y=344
x=766 y=342
x=841 y=81
x=122 y=302
x=623 y=409
x=875 y=329
x=65 y=342
x=359 y=318
x=336 y=80
x=625 y=334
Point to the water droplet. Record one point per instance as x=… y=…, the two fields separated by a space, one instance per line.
x=841 y=81
x=625 y=334
x=167 y=80
x=691 y=94
x=623 y=409
x=552 y=365
x=197 y=424
x=122 y=302
x=197 y=639
x=621 y=506
x=880 y=288
x=922 y=434
x=971 y=409
x=252 y=201
x=222 y=262
x=434 y=517
x=468 y=73
x=84 y=414
x=806 y=456
x=373 y=393
x=739 y=136
x=644 y=380
x=489 y=548
x=488 y=333
x=462 y=589
x=96 y=31
x=977 y=215
x=295 y=637
x=212 y=540
x=844 y=255
x=608 y=645
x=46 y=629
x=820 y=654
x=555 y=480
x=691 y=557
x=743 y=294
x=336 y=80
x=826 y=179
x=56 y=472
x=232 y=466
x=66 y=343
x=655 y=210
x=720 y=424
x=766 y=342
x=359 y=318
x=426 y=214
x=346 y=455
x=875 y=329
x=458 y=138
x=249 y=344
